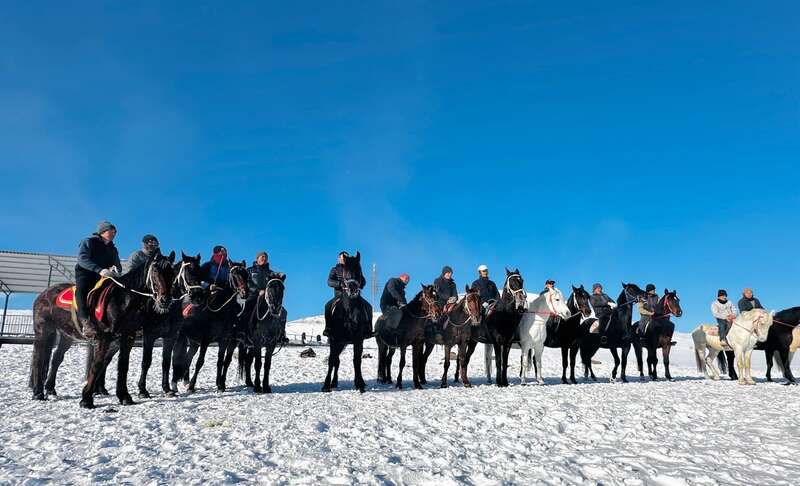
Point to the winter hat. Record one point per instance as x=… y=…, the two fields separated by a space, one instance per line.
x=650 y=288
x=483 y=268
x=550 y=282
x=261 y=253
x=104 y=226
x=218 y=249
x=722 y=292
x=596 y=286
x=446 y=269
x=149 y=238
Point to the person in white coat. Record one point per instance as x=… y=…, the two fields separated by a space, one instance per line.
x=724 y=312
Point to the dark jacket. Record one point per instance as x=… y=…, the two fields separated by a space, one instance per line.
x=445 y=289
x=749 y=304
x=336 y=279
x=600 y=304
x=487 y=289
x=137 y=259
x=259 y=276
x=394 y=294
x=214 y=273
x=94 y=255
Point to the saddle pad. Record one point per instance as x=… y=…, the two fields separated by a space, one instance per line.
x=66 y=298
x=711 y=330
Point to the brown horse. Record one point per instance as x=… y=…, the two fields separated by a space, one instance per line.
x=127 y=304
x=455 y=330
x=416 y=316
x=659 y=333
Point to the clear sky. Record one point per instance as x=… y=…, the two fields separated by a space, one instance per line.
x=597 y=141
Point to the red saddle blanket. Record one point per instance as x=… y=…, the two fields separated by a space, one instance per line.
x=98 y=296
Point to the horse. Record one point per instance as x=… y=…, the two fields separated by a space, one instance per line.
x=414 y=320
x=499 y=326
x=213 y=322
x=126 y=305
x=533 y=329
x=349 y=320
x=782 y=342
x=615 y=332
x=264 y=328
x=749 y=328
x=659 y=333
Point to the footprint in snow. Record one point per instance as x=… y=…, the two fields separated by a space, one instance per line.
x=322 y=427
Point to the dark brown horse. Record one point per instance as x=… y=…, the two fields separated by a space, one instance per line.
x=420 y=312
x=127 y=304
x=659 y=333
x=455 y=330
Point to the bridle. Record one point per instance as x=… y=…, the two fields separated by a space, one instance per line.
x=429 y=303
x=518 y=294
x=236 y=292
x=149 y=282
x=667 y=307
x=270 y=306
x=470 y=316
x=574 y=300
x=181 y=279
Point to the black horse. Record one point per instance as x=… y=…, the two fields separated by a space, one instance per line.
x=349 y=319
x=417 y=315
x=782 y=340
x=127 y=304
x=614 y=332
x=659 y=333
x=264 y=328
x=499 y=327
x=214 y=322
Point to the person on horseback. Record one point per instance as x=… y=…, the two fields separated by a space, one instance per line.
x=647 y=308
x=486 y=288
x=150 y=247
x=337 y=282
x=393 y=300
x=97 y=258
x=723 y=311
x=445 y=287
x=748 y=301
x=260 y=275
x=548 y=286
x=215 y=272
x=602 y=304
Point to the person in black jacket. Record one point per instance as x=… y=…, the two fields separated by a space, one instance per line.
x=748 y=302
x=394 y=299
x=486 y=288
x=337 y=283
x=445 y=287
x=260 y=274
x=602 y=304
x=97 y=257
x=138 y=258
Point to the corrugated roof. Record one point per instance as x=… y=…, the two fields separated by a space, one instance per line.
x=25 y=272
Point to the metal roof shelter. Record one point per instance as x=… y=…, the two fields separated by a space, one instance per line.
x=32 y=273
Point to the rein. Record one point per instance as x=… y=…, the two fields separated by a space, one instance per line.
x=148 y=281
x=269 y=304
x=181 y=278
x=430 y=304
x=470 y=317
x=234 y=294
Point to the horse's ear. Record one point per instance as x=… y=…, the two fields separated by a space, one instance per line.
x=358 y=256
x=198 y=258
x=508 y=272
x=582 y=287
x=183 y=255
x=466 y=288
x=244 y=264
x=423 y=286
x=574 y=289
x=171 y=257
x=624 y=285
x=516 y=270
x=666 y=291
x=283 y=277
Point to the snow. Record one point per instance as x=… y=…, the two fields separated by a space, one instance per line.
x=690 y=431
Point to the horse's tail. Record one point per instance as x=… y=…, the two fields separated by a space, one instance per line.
x=722 y=359
x=698 y=338
x=242 y=361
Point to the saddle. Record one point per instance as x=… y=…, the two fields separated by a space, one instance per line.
x=97 y=299
x=713 y=331
x=388 y=328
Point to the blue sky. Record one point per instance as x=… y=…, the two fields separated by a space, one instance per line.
x=598 y=141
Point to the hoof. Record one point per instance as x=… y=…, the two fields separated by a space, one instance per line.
x=87 y=404
x=144 y=394
x=444 y=385
x=267 y=389
x=541 y=382
x=169 y=394
x=190 y=390
x=467 y=385
x=220 y=389
x=361 y=390
x=573 y=381
x=39 y=396
x=326 y=389
x=51 y=393
x=126 y=401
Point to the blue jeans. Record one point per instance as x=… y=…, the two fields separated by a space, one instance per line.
x=723 y=328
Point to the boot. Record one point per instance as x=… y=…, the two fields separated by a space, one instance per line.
x=88 y=328
x=327 y=330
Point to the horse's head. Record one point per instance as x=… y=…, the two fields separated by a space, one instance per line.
x=238 y=277
x=671 y=304
x=160 y=277
x=514 y=290
x=472 y=304
x=758 y=320
x=352 y=275
x=188 y=280
x=428 y=298
x=633 y=293
x=579 y=301
x=274 y=295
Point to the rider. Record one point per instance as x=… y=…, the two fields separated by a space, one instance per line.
x=723 y=311
x=602 y=304
x=215 y=272
x=97 y=257
x=486 y=288
x=260 y=275
x=748 y=301
x=548 y=286
x=337 y=283
x=445 y=287
x=394 y=299
x=150 y=247
x=647 y=308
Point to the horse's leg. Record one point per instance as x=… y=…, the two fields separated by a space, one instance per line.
x=506 y=349
x=524 y=360
x=498 y=360
x=248 y=363
x=626 y=349
x=747 y=367
x=100 y=384
x=147 y=359
x=201 y=358
x=616 y=363
x=652 y=361
x=416 y=360
x=123 y=362
x=739 y=358
x=267 y=366
x=333 y=360
x=97 y=367
x=254 y=355
x=168 y=343
x=358 y=351
x=573 y=353
x=179 y=363
x=222 y=346
x=64 y=343
x=401 y=365
x=768 y=354
x=428 y=350
x=464 y=362
x=787 y=365
x=637 y=349
x=381 y=359
x=229 y=349
x=564 y=363
x=710 y=363
x=447 y=351
x=538 y=352
x=665 y=350
x=40 y=358
x=488 y=349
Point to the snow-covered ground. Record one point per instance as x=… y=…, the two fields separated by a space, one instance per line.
x=690 y=431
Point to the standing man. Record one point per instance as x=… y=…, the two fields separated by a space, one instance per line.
x=602 y=304
x=723 y=311
x=393 y=300
x=486 y=288
x=748 y=302
x=446 y=287
x=97 y=257
x=647 y=308
x=140 y=257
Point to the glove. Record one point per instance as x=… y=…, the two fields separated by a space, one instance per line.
x=212 y=287
x=612 y=305
x=262 y=292
x=114 y=270
x=485 y=305
x=105 y=272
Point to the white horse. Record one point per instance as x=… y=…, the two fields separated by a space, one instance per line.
x=533 y=328
x=749 y=328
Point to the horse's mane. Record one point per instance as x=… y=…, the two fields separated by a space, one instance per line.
x=751 y=314
x=789 y=316
x=136 y=278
